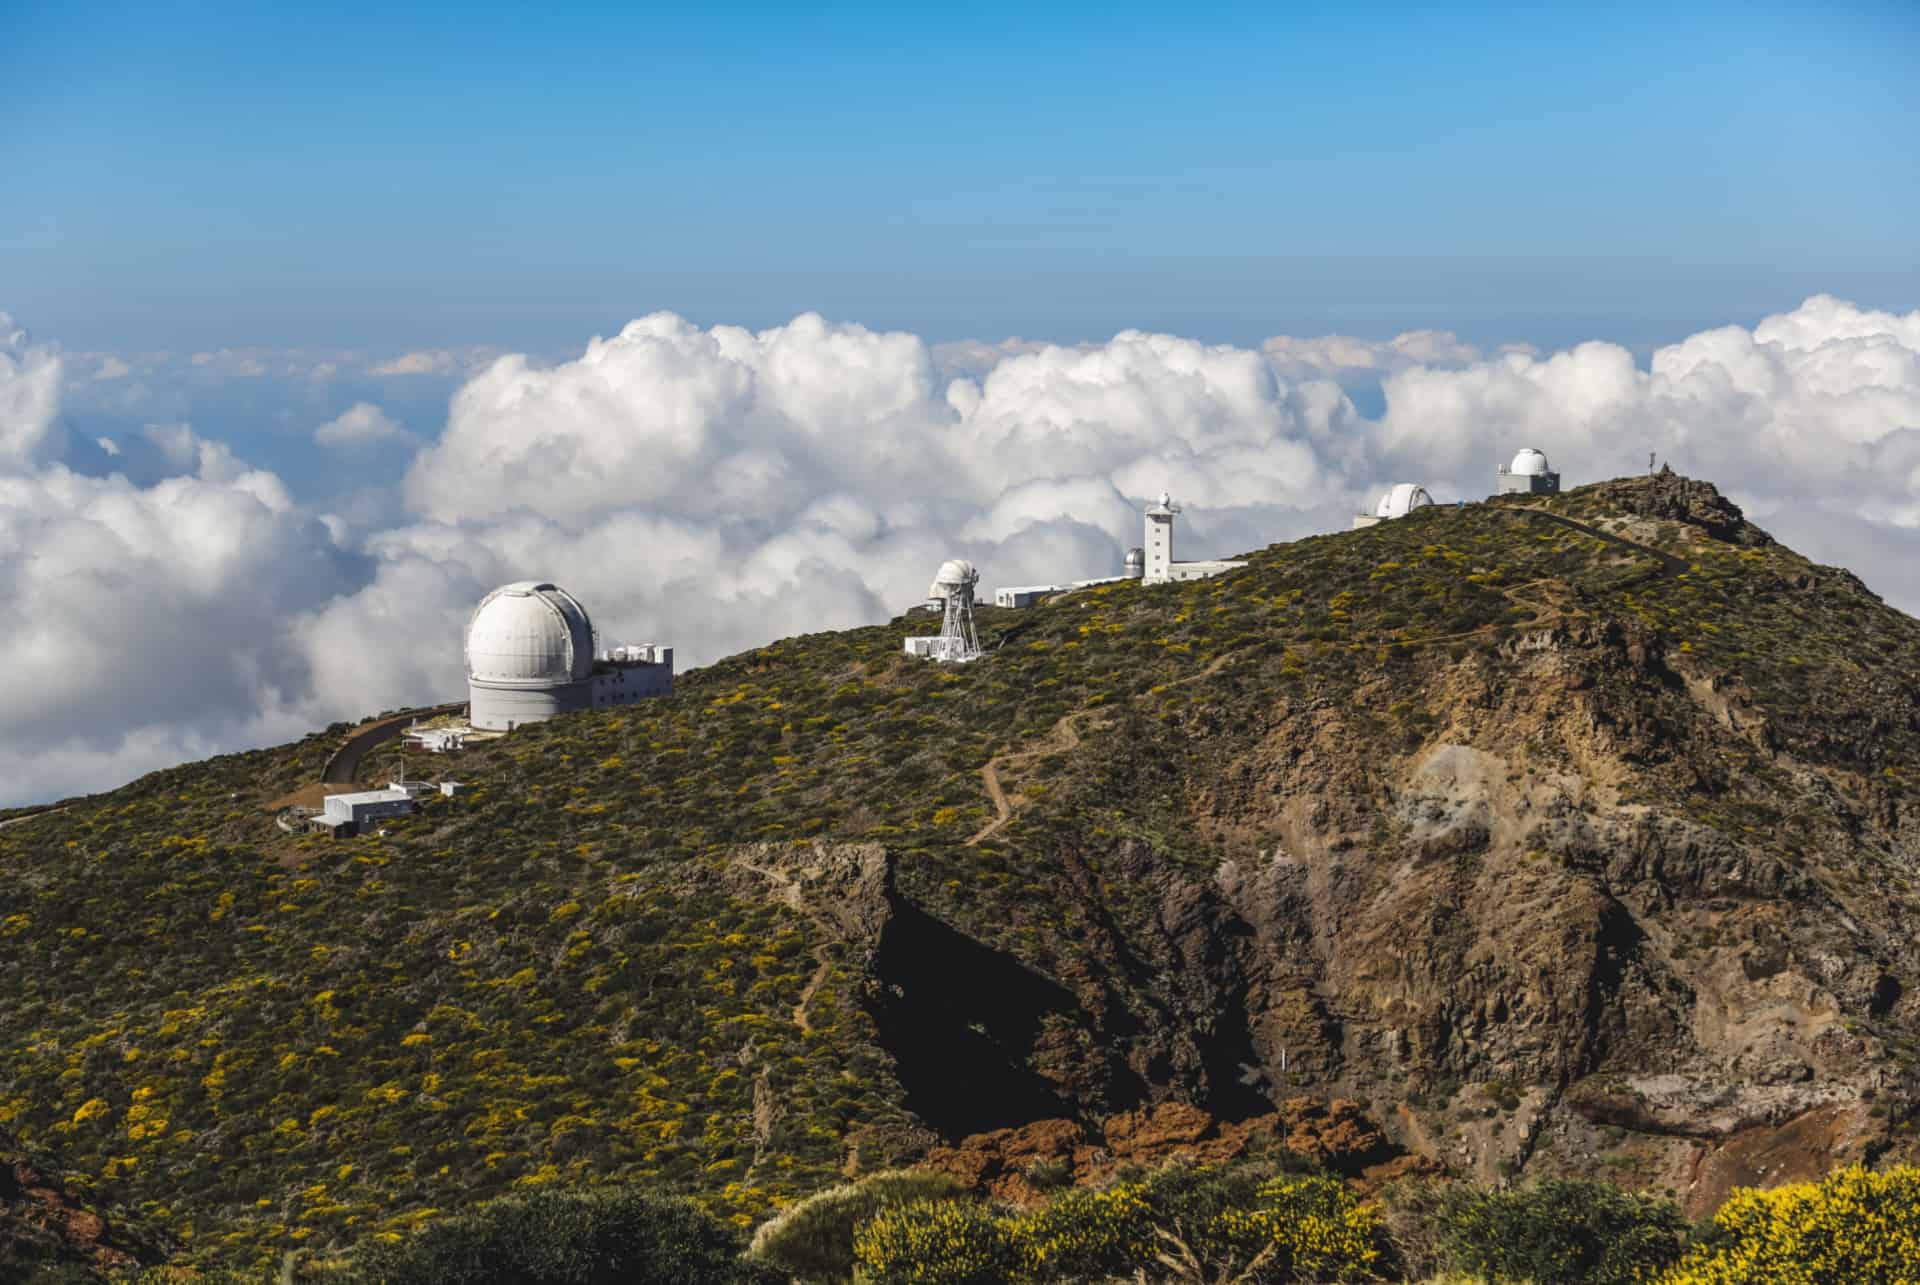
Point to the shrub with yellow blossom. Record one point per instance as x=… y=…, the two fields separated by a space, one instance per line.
x=1854 y=1226
x=1242 y=1221
x=1084 y=1234
x=945 y=1242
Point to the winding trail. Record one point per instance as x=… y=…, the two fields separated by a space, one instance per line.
x=34 y=815
x=787 y=889
x=1063 y=736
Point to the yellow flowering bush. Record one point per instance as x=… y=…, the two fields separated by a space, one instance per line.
x=1312 y=1226
x=1237 y=1222
x=1083 y=1234
x=1855 y=1226
x=946 y=1242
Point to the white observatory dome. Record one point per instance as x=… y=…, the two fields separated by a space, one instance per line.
x=955 y=571
x=529 y=634
x=1402 y=499
x=1528 y=463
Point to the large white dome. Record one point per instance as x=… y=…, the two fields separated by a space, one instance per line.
x=530 y=634
x=1528 y=463
x=1402 y=499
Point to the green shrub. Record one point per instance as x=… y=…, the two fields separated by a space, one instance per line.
x=1560 y=1232
x=564 y=1238
x=813 y=1240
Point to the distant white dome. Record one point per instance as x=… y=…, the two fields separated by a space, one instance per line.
x=1528 y=463
x=1402 y=499
x=530 y=634
x=955 y=571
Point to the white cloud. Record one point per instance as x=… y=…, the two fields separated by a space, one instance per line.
x=29 y=398
x=361 y=426
x=1813 y=410
x=1335 y=356
x=715 y=488
x=435 y=361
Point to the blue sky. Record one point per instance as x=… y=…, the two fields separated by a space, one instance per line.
x=185 y=176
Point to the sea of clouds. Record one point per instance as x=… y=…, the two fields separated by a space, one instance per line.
x=717 y=488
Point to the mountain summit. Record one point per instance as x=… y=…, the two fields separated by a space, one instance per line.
x=1547 y=834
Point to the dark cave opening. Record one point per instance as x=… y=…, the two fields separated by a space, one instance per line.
x=961 y=1020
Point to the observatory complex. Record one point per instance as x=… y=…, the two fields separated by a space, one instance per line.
x=531 y=654
x=1528 y=475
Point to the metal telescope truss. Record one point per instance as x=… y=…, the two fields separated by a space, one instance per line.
x=958 y=640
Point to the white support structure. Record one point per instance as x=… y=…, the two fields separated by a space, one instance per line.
x=957 y=642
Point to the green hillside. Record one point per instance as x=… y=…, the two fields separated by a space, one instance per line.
x=584 y=969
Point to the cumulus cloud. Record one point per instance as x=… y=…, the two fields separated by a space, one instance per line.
x=30 y=377
x=719 y=487
x=361 y=426
x=1817 y=410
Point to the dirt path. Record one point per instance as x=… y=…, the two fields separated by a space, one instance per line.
x=1062 y=736
x=32 y=816
x=788 y=891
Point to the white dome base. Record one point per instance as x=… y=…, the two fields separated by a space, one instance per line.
x=501 y=709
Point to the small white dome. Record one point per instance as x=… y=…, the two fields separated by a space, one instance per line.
x=1402 y=499
x=955 y=571
x=1528 y=463
x=530 y=634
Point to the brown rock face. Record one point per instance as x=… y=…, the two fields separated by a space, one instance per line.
x=1018 y=1165
x=41 y=1222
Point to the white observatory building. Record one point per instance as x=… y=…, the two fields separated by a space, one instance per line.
x=1401 y=499
x=531 y=655
x=957 y=642
x=1528 y=475
x=1157 y=565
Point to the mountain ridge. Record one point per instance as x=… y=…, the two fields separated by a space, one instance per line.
x=1558 y=834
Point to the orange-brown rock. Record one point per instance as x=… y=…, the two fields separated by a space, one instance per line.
x=1017 y=1165
x=40 y=1218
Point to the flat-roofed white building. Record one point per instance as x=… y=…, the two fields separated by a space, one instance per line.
x=344 y=814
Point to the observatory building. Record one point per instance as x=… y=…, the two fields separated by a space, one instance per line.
x=953 y=586
x=531 y=655
x=1528 y=475
x=1157 y=564
x=1401 y=499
